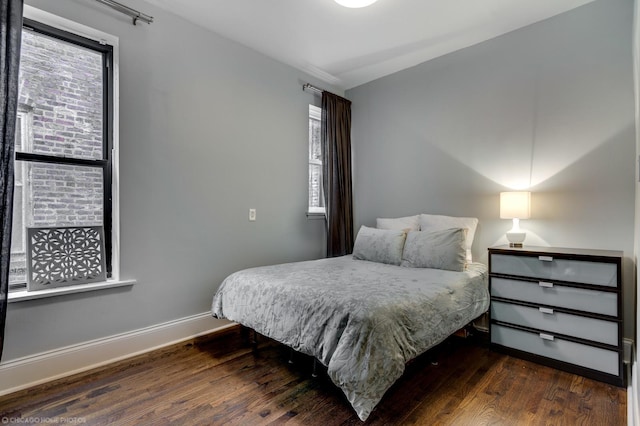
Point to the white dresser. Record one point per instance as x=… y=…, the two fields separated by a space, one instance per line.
x=560 y=307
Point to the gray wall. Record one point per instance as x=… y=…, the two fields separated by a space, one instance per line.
x=548 y=107
x=208 y=129
x=636 y=60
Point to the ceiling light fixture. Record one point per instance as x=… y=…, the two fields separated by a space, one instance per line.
x=355 y=3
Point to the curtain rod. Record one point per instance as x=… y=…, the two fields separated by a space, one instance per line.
x=312 y=88
x=137 y=16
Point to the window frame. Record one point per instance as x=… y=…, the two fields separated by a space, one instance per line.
x=107 y=45
x=23 y=119
x=315 y=112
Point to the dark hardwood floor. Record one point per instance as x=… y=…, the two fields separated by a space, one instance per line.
x=219 y=380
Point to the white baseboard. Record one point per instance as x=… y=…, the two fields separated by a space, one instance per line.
x=33 y=370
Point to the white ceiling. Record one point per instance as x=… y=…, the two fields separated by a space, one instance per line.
x=348 y=47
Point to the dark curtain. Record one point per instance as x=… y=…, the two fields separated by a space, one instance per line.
x=10 y=37
x=336 y=173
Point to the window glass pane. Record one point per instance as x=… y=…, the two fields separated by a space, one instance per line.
x=17 y=264
x=61 y=195
x=62 y=84
x=53 y=195
x=315 y=185
x=17 y=236
x=17 y=170
x=316 y=202
x=314 y=140
x=18 y=139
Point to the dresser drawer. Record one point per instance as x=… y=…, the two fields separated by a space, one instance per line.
x=551 y=321
x=598 y=302
x=599 y=359
x=550 y=268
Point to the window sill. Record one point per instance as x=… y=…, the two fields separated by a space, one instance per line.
x=20 y=296
x=315 y=215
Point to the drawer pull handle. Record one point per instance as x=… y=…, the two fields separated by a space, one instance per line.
x=546 y=258
x=545 y=284
x=546 y=310
x=546 y=336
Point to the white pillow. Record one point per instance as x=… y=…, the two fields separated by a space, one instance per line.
x=379 y=245
x=438 y=249
x=410 y=223
x=432 y=222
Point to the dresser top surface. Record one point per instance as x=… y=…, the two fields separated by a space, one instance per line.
x=505 y=249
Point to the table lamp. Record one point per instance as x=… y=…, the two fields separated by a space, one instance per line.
x=516 y=206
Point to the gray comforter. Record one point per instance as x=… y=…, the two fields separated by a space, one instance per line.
x=362 y=320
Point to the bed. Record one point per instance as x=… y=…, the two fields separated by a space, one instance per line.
x=361 y=317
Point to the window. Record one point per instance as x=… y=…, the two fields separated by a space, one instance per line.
x=316 y=195
x=64 y=138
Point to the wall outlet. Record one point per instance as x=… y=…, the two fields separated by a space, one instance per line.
x=252 y=215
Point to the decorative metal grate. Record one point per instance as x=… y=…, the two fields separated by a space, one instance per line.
x=63 y=256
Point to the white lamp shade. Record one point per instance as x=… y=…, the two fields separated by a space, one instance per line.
x=515 y=205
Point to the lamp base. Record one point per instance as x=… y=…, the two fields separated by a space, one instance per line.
x=516 y=238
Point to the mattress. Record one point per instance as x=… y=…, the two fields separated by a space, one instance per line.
x=362 y=320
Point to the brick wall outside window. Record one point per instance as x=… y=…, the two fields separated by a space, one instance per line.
x=61 y=104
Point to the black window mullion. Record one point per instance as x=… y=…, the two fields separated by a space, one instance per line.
x=71 y=161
